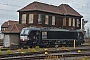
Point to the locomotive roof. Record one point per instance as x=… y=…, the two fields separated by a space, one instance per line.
x=51 y=29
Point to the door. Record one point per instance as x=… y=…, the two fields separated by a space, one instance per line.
x=6 y=41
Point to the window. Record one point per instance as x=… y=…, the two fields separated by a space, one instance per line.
x=25 y=32
x=53 y=20
x=69 y=21
x=73 y=22
x=30 y=18
x=39 y=19
x=78 y=22
x=44 y=35
x=22 y=31
x=2 y=28
x=23 y=18
x=46 y=19
x=64 y=21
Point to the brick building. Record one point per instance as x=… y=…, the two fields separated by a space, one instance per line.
x=45 y=15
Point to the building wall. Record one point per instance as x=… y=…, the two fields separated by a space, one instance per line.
x=6 y=40
x=72 y=27
x=11 y=39
x=14 y=39
x=1 y=38
x=58 y=20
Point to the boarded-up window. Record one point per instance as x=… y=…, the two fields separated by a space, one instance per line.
x=53 y=20
x=64 y=21
x=30 y=18
x=24 y=18
x=78 y=22
x=39 y=18
x=46 y=19
x=69 y=22
x=73 y=21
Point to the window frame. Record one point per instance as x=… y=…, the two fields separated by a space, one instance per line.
x=23 y=18
x=39 y=18
x=78 y=22
x=47 y=19
x=64 y=21
x=30 y=19
x=53 y=20
x=70 y=22
x=74 y=22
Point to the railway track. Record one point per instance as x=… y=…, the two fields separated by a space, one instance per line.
x=41 y=55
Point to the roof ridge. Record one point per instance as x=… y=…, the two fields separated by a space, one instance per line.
x=39 y=6
x=64 y=8
x=16 y=28
x=45 y=3
x=11 y=27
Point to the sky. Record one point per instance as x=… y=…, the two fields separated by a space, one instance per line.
x=8 y=8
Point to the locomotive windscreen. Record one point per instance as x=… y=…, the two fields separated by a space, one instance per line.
x=25 y=32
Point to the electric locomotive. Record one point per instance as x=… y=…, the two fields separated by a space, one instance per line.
x=46 y=37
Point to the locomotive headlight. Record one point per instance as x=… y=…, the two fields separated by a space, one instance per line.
x=45 y=32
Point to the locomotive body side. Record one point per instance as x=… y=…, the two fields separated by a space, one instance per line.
x=50 y=37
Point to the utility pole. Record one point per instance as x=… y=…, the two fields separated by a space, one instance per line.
x=83 y=28
x=88 y=32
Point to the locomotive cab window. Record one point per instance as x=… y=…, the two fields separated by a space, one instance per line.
x=24 y=32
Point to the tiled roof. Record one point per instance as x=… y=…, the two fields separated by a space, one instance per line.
x=67 y=10
x=41 y=7
x=8 y=23
x=15 y=28
x=63 y=9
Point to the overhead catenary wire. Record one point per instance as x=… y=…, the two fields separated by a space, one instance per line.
x=7 y=4
x=21 y=6
x=7 y=10
x=10 y=5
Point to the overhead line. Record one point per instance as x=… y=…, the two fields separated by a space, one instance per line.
x=8 y=10
x=10 y=5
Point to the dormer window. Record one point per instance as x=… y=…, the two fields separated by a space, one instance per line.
x=23 y=18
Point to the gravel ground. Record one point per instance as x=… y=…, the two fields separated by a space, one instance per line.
x=64 y=58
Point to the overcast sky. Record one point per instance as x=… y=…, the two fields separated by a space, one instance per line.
x=8 y=8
